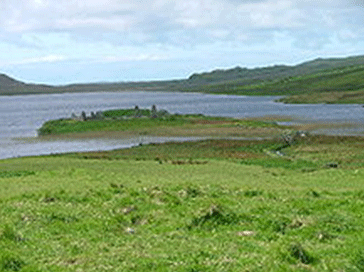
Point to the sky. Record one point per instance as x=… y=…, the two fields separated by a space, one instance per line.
x=70 y=41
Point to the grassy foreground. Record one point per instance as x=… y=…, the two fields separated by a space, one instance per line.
x=213 y=205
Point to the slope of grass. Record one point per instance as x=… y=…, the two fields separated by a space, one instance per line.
x=204 y=206
x=329 y=86
x=333 y=97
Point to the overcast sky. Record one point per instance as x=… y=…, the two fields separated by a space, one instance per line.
x=66 y=41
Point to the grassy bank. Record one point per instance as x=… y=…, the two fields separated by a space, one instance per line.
x=214 y=205
x=333 y=97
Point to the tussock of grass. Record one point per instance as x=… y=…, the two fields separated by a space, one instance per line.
x=358 y=259
x=214 y=217
x=253 y=193
x=299 y=253
x=9 y=233
x=10 y=174
x=10 y=262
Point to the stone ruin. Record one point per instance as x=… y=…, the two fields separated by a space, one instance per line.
x=154 y=113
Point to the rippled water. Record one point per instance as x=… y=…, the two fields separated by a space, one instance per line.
x=21 y=116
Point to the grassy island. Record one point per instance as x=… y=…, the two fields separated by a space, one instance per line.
x=129 y=122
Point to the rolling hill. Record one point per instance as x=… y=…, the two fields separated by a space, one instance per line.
x=337 y=80
x=10 y=86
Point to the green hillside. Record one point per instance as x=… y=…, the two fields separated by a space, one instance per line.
x=342 y=84
x=317 y=81
x=246 y=76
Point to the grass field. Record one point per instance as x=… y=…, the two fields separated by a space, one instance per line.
x=214 y=205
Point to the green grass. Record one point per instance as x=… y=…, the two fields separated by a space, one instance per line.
x=126 y=113
x=73 y=126
x=333 y=97
x=213 y=205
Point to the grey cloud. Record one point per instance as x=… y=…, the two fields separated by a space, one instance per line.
x=182 y=21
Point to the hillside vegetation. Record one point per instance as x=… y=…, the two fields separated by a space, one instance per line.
x=309 y=82
x=249 y=76
x=341 y=85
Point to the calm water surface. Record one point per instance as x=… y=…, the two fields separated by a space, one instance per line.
x=21 y=116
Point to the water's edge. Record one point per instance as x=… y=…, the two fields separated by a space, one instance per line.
x=21 y=116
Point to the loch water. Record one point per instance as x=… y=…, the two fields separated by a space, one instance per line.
x=22 y=115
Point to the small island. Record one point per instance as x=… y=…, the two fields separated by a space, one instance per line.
x=137 y=121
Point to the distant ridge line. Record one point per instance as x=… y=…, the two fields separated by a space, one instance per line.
x=228 y=78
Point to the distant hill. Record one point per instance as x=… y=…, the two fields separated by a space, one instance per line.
x=317 y=81
x=10 y=86
x=245 y=76
x=312 y=77
x=8 y=82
